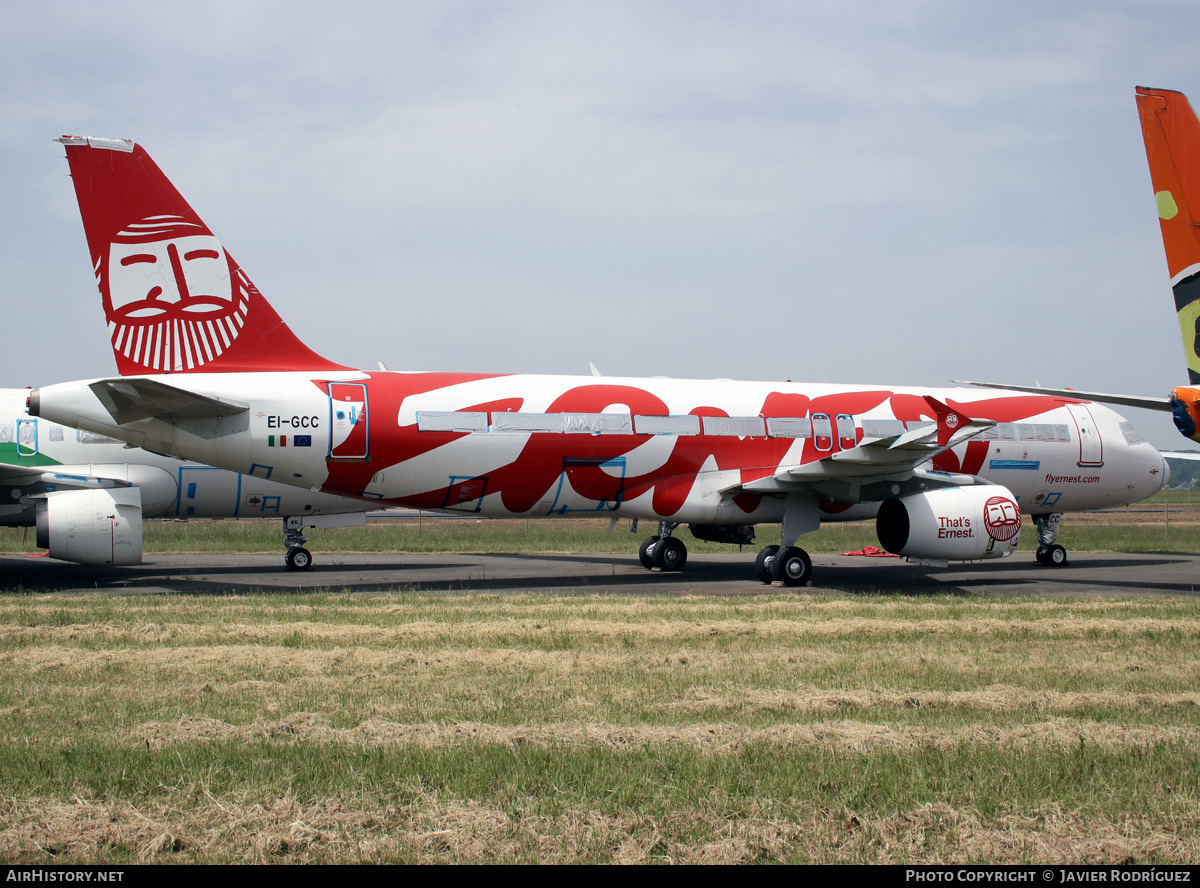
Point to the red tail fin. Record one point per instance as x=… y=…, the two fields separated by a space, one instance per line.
x=175 y=301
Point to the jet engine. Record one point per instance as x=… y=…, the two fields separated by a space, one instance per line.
x=952 y=524
x=1185 y=410
x=92 y=526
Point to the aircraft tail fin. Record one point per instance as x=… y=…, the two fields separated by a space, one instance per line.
x=174 y=299
x=1172 y=135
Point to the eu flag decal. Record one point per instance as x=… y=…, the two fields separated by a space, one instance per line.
x=302 y=440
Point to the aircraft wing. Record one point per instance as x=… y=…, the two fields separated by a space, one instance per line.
x=21 y=476
x=57 y=477
x=883 y=466
x=25 y=486
x=1146 y=403
x=1190 y=455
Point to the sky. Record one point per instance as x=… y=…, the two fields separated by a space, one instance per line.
x=899 y=193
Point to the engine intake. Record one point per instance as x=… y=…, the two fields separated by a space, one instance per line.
x=92 y=526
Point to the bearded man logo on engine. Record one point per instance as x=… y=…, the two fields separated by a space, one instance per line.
x=1001 y=518
x=173 y=299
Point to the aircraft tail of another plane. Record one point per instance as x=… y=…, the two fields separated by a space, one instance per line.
x=1172 y=135
x=174 y=299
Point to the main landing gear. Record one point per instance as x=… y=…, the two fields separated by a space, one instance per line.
x=786 y=563
x=1048 y=553
x=663 y=551
x=789 y=565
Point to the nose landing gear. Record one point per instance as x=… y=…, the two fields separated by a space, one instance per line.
x=296 y=557
x=1048 y=553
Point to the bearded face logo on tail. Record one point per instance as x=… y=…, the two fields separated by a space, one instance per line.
x=173 y=299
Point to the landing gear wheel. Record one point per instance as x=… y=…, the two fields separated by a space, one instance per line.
x=670 y=554
x=646 y=552
x=1052 y=556
x=791 y=566
x=298 y=559
x=762 y=564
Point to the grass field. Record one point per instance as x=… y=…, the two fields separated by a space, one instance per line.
x=484 y=728
x=426 y=728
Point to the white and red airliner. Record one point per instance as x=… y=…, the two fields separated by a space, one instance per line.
x=209 y=372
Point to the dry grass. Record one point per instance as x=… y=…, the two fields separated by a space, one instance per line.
x=711 y=737
x=439 y=830
x=420 y=728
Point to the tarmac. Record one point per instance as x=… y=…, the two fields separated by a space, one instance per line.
x=1085 y=574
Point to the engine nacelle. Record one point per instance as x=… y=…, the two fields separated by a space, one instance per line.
x=953 y=524
x=1185 y=410
x=92 y=526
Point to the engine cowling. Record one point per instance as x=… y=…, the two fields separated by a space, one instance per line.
x=1185 y=410
x=92 y=526
x=954 y=524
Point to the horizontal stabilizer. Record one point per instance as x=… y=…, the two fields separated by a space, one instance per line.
x=131 y=400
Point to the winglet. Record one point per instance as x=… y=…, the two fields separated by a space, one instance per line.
x=948 y=420
x=174 y=299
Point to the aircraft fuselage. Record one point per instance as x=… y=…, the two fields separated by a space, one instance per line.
x=665 y=449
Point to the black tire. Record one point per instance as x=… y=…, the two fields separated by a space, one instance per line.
x=646 y=553
x=762 y=564
x=1056 y=556
x=298 y=559
x=670 y=554
x=792 y=566
x=1041 y=556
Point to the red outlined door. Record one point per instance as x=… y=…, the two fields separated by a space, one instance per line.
x=1091 y=448
x=348 y=420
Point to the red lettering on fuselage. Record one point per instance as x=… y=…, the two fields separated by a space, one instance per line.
x=523 y=482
